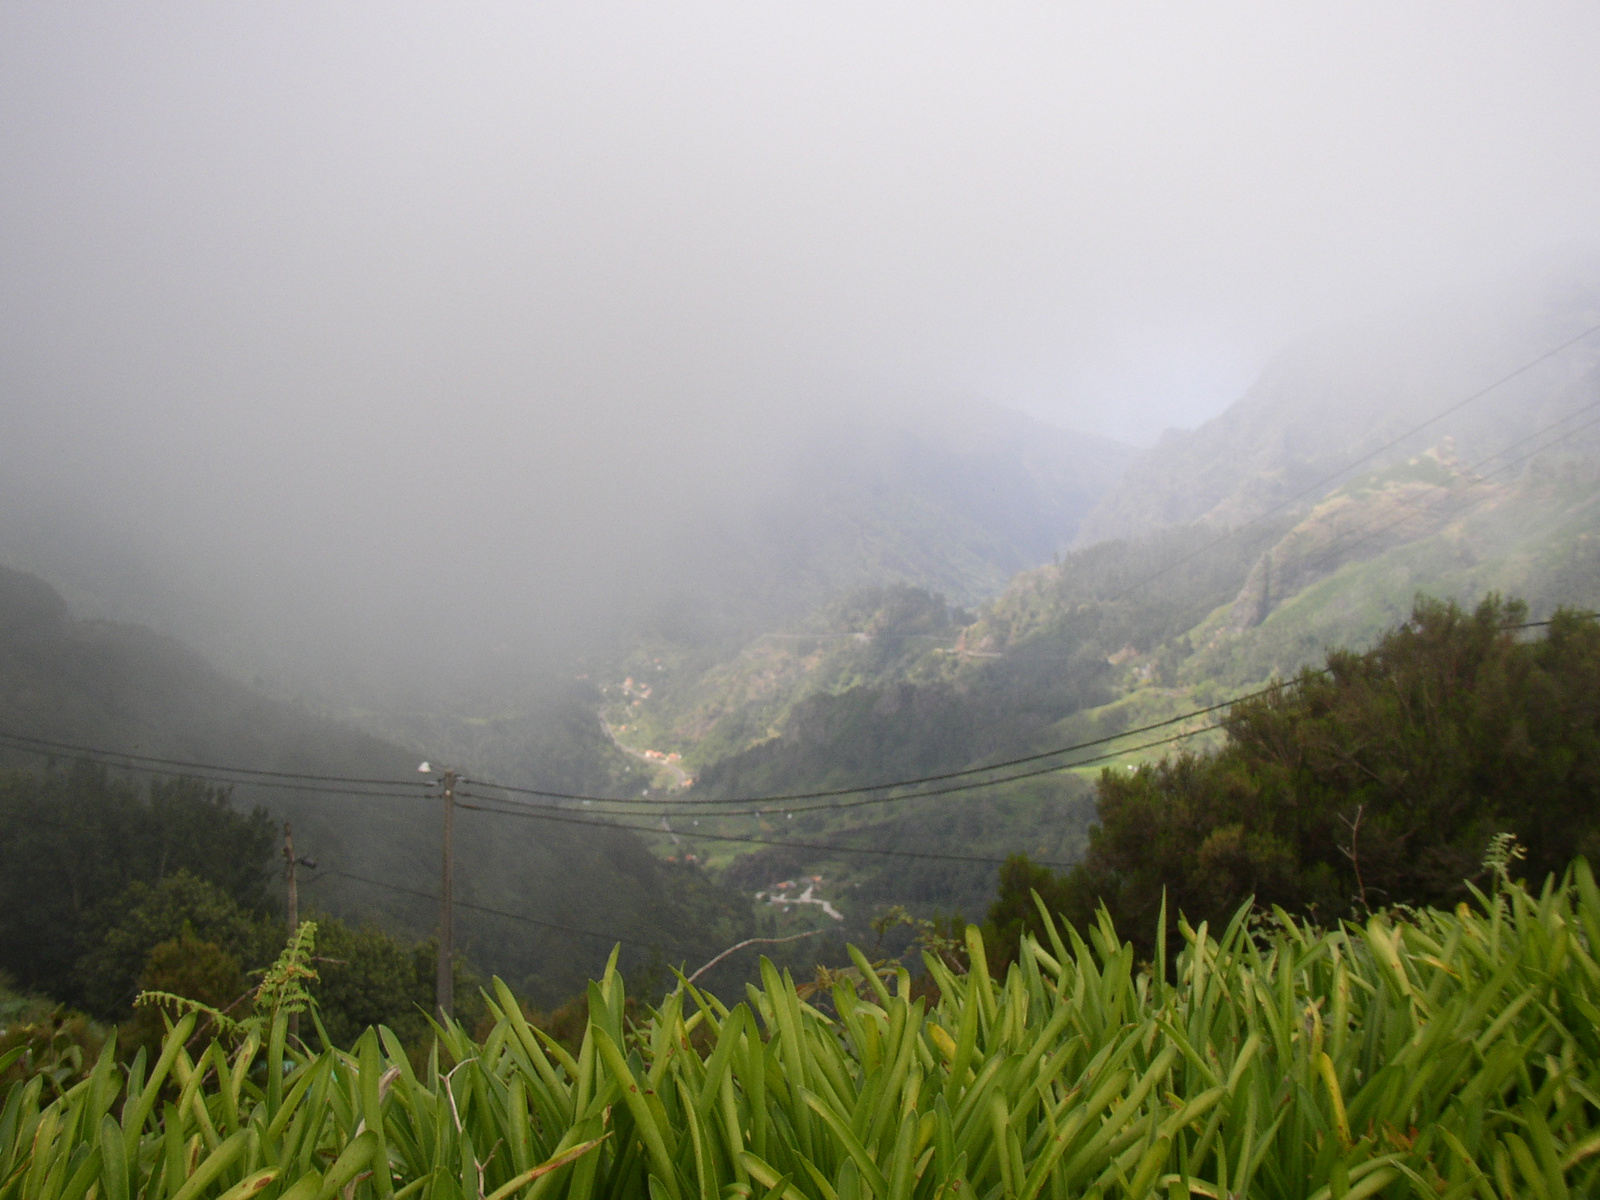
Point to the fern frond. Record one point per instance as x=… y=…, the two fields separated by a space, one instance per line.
x=282 y=986
x=187 y=1004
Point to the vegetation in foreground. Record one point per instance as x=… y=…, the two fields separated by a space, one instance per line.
x=1423 y=1053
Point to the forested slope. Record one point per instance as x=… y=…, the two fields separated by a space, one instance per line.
x=120 y=687
x=1454 y=453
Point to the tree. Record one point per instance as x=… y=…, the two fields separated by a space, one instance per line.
x=1014 y=912
x=147 y=916
x=1377 y=780
x=73 y=841
x=186 y=966
x=366 y=977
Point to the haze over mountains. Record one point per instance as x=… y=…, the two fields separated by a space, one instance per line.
x=962 y=501
x=908 y=599
x=1343 y=394
x=1196 y=604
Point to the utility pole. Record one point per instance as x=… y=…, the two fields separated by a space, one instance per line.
x=290 y=863
x=444 y=984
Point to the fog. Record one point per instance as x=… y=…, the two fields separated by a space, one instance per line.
x=403 y=331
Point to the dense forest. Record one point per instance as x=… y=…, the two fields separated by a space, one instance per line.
x=108 y=889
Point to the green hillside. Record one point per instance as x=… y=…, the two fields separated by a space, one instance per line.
x=1128 y=632
x=119 y=686
x=1370 y=388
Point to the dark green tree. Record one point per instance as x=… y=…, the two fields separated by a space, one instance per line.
x=1014 y=912
x=73 y=841
x=367 y=977
x=145 y=916
x=1378 y=780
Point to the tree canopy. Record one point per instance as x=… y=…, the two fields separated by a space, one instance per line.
x=1376 y=780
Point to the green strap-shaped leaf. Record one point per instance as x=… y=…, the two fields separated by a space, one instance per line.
x=211 y=1166
x=871 y=1175
x=553 y=1164
x=113 y=1161
x=654 y=1136
x=137 y=1111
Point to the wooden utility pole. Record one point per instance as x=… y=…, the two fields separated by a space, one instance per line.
x=444 y=983
x=290 y=863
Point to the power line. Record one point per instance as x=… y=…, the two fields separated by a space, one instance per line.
x=967 y=772
x=552 y=813
x=113 y=758
x=496 y=912
x=924 y=795
x=110 y=758
x=533 y=811
x=199 y=766
x=1577 y=616
x=534 y=814
x=679 y=808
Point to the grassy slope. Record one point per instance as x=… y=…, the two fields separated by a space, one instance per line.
x=1538 y=539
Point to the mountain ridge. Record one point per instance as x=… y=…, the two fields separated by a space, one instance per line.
x=1176 y=614
x=1335 y=402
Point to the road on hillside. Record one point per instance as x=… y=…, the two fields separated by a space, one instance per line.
x=680 y=777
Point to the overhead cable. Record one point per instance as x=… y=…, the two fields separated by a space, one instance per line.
x=966 y=772
x=536 y=814
x=110 y=758
x=496 y=912
x=1053 y=768
x=566 y=815
x=199 y=766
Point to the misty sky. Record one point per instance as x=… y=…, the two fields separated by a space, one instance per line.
x=329 y=295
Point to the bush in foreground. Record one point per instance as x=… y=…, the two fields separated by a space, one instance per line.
x=1438 y=1054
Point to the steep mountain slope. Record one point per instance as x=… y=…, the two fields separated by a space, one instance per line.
x=1536 y=537
x=954 y=501
x=122 y=687
x=1211 y=594
x=1337 y=397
